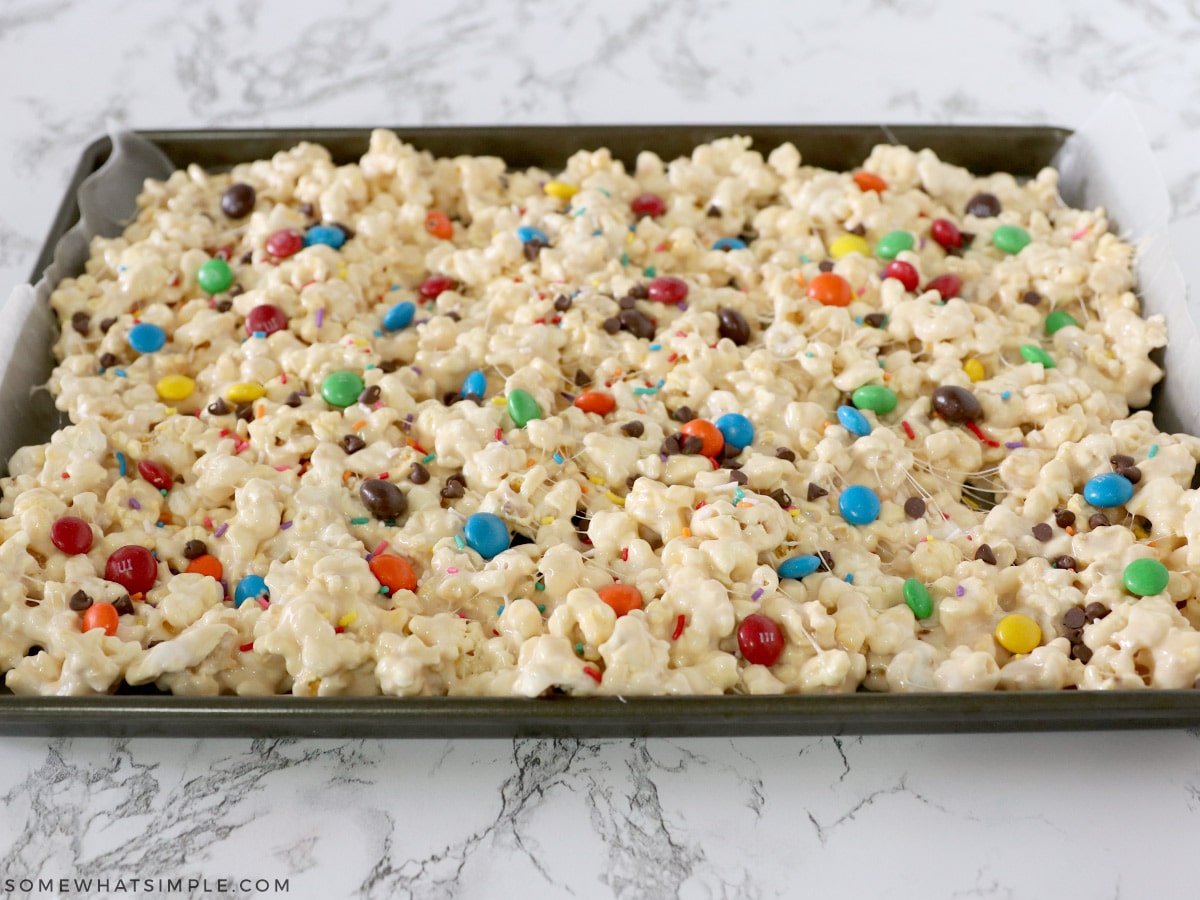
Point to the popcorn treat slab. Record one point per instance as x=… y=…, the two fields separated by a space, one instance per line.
x=842 y=147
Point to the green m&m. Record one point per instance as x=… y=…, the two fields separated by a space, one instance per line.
x=522 y=407
x=1146 y=577
x=874 y=397
x=1035 y=354
x=892 y=243
x=1060 y=318
x=1011 y=238
x=342 y=388
x=916 y=595
x=214 y=276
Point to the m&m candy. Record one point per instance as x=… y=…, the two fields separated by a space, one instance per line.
x=474 y=385
x=905 y=273
x=859 y=505
x=668 y=289
x=250 y=588
x=1146 y=577
x=760 y=640
x=146 y=337
x=101 y=616
x=527 y=233
x=439 y=225
x=342 y=388
x=156 y=473
x=214 y=276
x=522 y=408
x=329 y=235
x=875 y=397
x=486 y=534
x=266 y=318
x=399 y=316
x=1109 y=489
x=917 y=596
x=830 y=289
x=736 y=429
x=393 y=572
x=1011 y=238
x=892 y=243
x=1018 y=633
x=133 y=567
x=72 y=535
x=175 y=387
x=948 y=285
x=434 y=286
x=710 y=436
x=622 y=598
x=730 y=244
x=853 y=421
x=847 y=244
x=648 y=205
x=595 y=402
x=284 y=243
x=946 y=233
x=799 y=566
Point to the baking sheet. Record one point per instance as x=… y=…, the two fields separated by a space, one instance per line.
x=1108 y=162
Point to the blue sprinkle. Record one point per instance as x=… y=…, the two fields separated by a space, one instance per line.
x=259 y=334
x=799 y=566
x=1153 y=452
x=597 y=233
x=850 y=578
x=730 y=244
x=656 y=346
x=1006 y=395
x=804 y=259
x=377 y=333
x=558 y=458
x=853 y=421
x=1109 y=489
x=146 y=337
x=859 y=505
x=120 y=373
x=399 y=316
x=122 y=466
x=527 y=233
x=329 y=235
x=394 y=287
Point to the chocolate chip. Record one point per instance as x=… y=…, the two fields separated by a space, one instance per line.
x=580 y=520
x=453 y=489
x=1043 y=532
x=636 y=323
x=815 y=492
x=1033 y=298
x=683 y=414
x=1120 y=461
x=1066 y=562
x=352 y=443
x=983 y=206
x=247 y=258
x=858 y=230
x=383 y=499
x=1082 y=652
x=219 y=407
x=612 y=325
x=639 y=291
x=294 y=399
x=825 y=265
x=670 y=445
x=236 y=291
x=224 y=306
x=453 y=316
x=1074 y=617
x=630 y=481
x=627 y=302
x=1097 y=520
x=782 y=497
x=79 y=601
x=238 y=200
x=419 y=474
x=692 y=445
x=733 y=325
x=81 y=322
x=826 y=561
x=194 y=548
x=875 y=319
x=1064 y=518
x=388 y=366
x=107 y=360
x=106 y=324
x=245 y=412
x=739 y=477
x=956 y=404
x=914 y=507
x=728 y=451
x=124 y=605
x=713 y=211
x=1133 y=473
x=785 y=454
x=562 y=303
x=985 y=554
x=532 y=249
x=369 y=395
x=582 y=378
x=1095 y=611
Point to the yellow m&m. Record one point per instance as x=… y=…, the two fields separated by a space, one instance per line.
x=974 y=369
x=245 y=392
x=560 y=189
x=849 y=243
x=1018 y=634
x=175 y=387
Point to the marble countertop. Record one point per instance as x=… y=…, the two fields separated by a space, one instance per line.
x=1093 y=814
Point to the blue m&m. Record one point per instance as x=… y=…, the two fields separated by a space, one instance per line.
x=730 y=244
x=737 y=430
x=1109 y=489
x=486 y=534
x=853 y=421
x=329 y=235
x=250 y=588
x=474 y=385
x=146 y=337
x=799 y=566
x=527 y=233
x=859 y=505
x=399 y=316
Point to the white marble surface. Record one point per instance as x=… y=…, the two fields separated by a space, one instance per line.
x=1098 y=815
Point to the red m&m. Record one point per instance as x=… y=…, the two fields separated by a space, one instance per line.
x=946 y=233
x=285 y=243
x=156 y=473
x=905 y=273
x=266 y=319
x=948 y=285
x=760 y=640
x=668 y=289
x=71 y=535
x=133 y=568
x=433 y=286
x=648 y=205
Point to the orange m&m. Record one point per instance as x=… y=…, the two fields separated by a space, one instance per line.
x=707 y=432
x=101 y=615
x=869 y=181
x=206 y=565
x=596 y=402
x=830 y=289
x=439 y=225
x=394 y=573
x=623 y=598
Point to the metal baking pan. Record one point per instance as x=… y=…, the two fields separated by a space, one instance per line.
x=1020 y=150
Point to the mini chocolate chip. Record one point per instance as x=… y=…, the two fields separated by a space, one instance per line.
x=914 y=507
x=692 y=445
x=815 y=492
x=728 y=451
x=224 y=306
x=733 y=325
x=633 y=429
x=1133 y=473
x=453 y=316
x=825 y=265
x=107 y=360
x=985 y=554
x=826 y=561
x=305 y=209
x=124 y=605
x=782 y=497
x=1120 y=461
x=245 y=412
x=639 y=291
x=1066 y=562
x=236 y=291
x=739 y=477
x=713 y=211
x=294 y=399
x=1097 y=520
x=858 y=230
x=636 y=323
x=453 y=489
x=582 y=378
x=748 y=235
x=785 y=454
x=1043 y=532
x=683 y=414
x=79 y=601
x=219 y=407
x=369 y=395
x=419 y=474
x=532 y=249
x=451 y=397
x=956 y=404
x=1074 y=617
x=388 y=366
x=194 y=548
x=627 y=302
x=352 y=443
x=1095 y=611
x=81 y=322
x=562 y=303
x=875 y=319
x=1064 y=518
x=612 y=325
x=238 y=200
x=457 y=476
x=670 y=445
x=383 y=499
x=580 y=520
x=106 y=324
x=1082 y=652
x=247 y=258
x=984 y=206
x=1033 y=298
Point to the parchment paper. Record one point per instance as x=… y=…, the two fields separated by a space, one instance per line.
x=1107 y=162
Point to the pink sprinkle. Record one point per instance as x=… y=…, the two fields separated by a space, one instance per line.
x=861 y=291
x=133 y=504
x=383 y=545
x=756 y=594
x=378 y=404
x=1080 y=233
x=220 y=532
x=320 y=317
x=281 y=468
x=284 y=526
x=452 y=570
x=207 y=522
x=263 y=602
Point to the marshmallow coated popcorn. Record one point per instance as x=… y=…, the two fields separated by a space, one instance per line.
x=266 y=476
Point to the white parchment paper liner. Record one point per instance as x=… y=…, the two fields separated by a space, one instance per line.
x=1107 y=162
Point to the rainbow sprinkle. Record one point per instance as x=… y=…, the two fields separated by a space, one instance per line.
x=122 y=466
